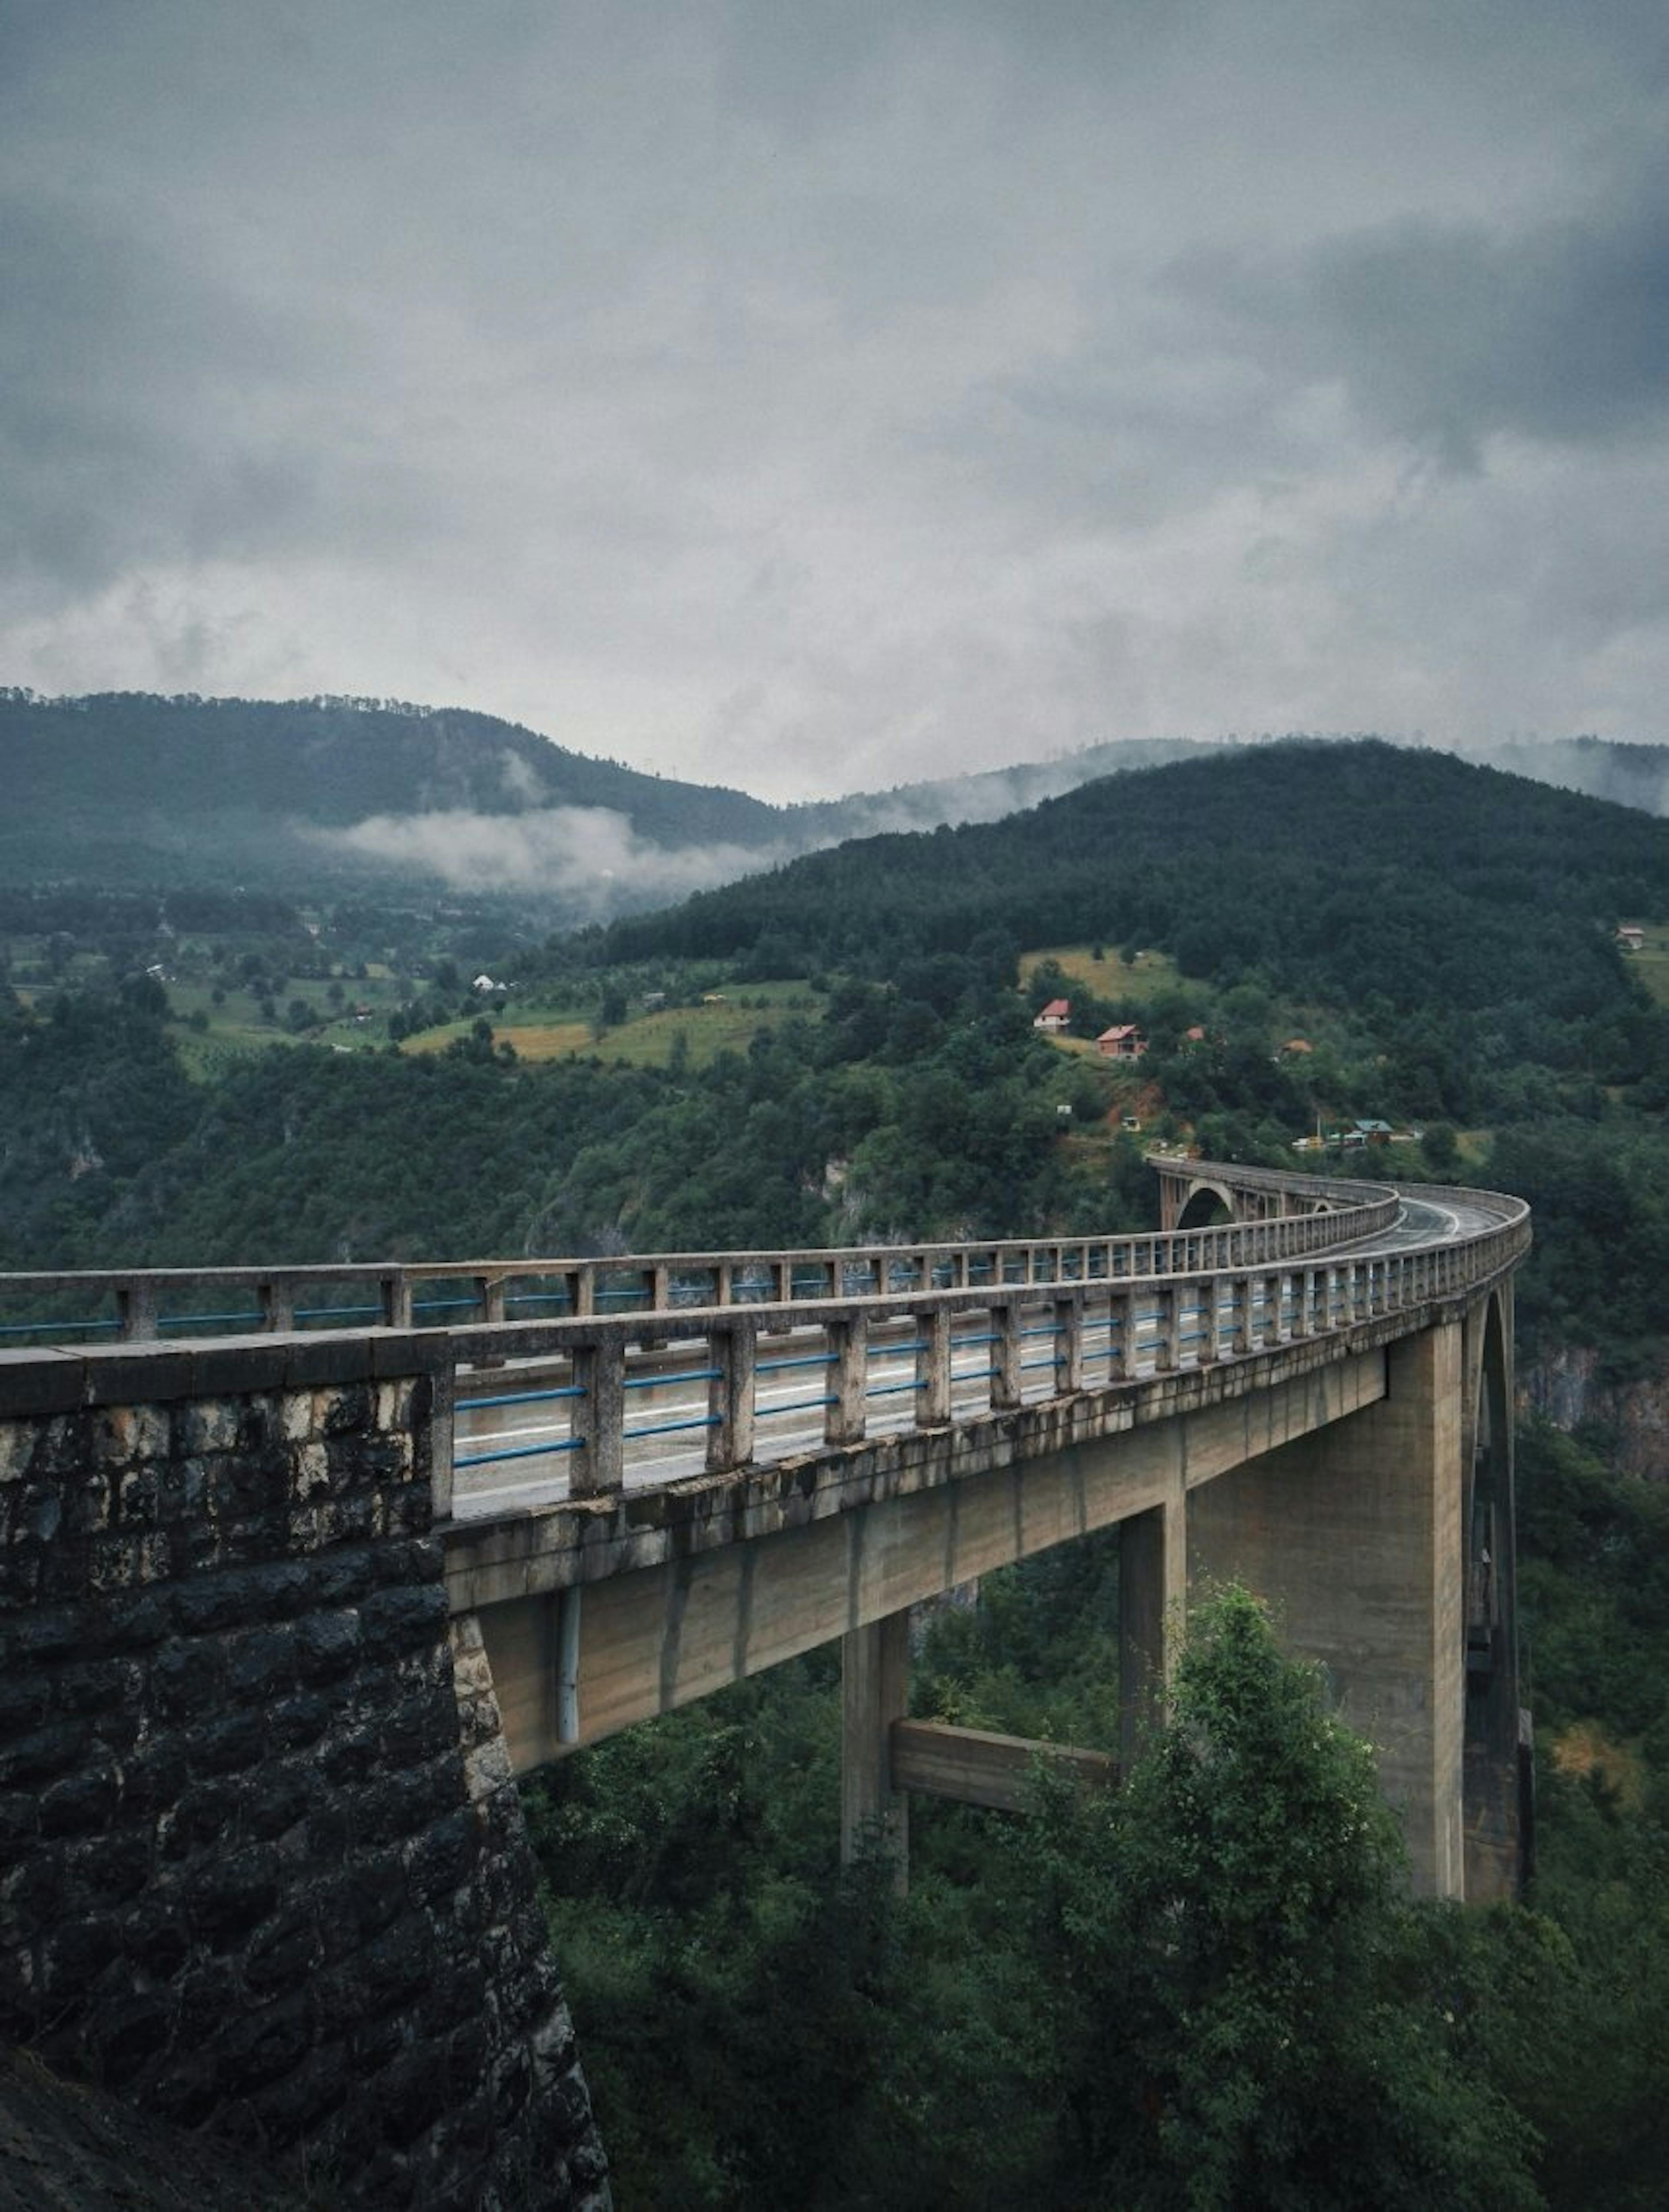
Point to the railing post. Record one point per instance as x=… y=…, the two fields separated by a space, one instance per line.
x=724 y=1284
x=441 y=1426
x=1005 y=1354
x=730 y=1394
x=660 y=1286
x=489 y=1291
x=1245 y=1322
x=136 y=1303
x=933 y=1368
x=1208 y=1343
x=395 y=1292
x=277 y=1304
x=1068 y=1345
x=1169 y=1298
x=600 y=1370
x=848 y=1341
x=1121 y=1327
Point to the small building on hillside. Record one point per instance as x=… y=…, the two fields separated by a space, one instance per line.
x=1055 y=1015
x=1123 y=1041
x=1372 y=1133
x=1296 y=1049
x=1630 y=938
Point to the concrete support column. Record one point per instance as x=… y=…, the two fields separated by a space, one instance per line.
x=875 y=1682
x=1354 y=1535
x=1153 y=1582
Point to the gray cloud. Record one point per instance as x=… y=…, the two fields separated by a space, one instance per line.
x=820 y=397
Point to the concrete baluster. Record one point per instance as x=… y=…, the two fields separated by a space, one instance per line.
x=1207 y=1349
x=395 y=1293
x=583 y=1291
x=441 y=1425
x=660 y=1287
x=1245 y=1318
x=277 y=1304
x=1068 y=1345
x=600 y=1370
x=848 y=1342
x=730 y=1394
x=1006 y=1354
x=933 y=1368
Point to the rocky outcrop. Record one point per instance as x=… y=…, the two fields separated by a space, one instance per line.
x=1566 y=1386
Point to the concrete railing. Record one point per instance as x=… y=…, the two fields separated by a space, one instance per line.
x=795 y=1352
x=925 y=1358
x=133 y=1306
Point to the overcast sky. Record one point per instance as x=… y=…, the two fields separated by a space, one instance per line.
x=811 y=394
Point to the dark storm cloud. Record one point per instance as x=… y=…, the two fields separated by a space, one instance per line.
x=1447 y=335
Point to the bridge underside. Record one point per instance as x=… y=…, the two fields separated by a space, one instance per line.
x=1337 y=1493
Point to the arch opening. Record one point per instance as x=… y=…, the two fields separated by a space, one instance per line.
x=1207 y=1207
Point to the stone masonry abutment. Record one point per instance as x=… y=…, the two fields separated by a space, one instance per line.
x=264 y=1863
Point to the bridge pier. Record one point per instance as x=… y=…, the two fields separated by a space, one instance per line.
x=1354 y=1534
x=874 y=1684
x=1152 y=1585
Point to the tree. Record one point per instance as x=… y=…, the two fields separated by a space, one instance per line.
x=1239 y=2012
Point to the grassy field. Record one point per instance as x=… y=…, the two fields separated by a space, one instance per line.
x=726 y=1022
x=1107 y=977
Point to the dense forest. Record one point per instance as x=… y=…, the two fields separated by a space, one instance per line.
x=1050 y=2016
x=1354 y=871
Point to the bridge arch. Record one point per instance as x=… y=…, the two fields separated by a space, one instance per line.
x=1207 y=1206
x=1498 y=1812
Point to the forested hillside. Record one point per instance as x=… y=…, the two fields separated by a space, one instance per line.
x=844 y=1050
x=133 y=788
x=1355 y=870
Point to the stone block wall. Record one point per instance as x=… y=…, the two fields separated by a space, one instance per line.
x=262 y=1867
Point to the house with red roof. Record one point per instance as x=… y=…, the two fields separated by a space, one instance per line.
x=1055 y=1015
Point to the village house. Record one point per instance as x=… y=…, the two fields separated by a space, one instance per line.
x=1055 y=1015
x=1123 y=1041
x=1630 y=938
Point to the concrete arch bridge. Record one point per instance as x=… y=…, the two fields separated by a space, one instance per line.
x=303 y=1566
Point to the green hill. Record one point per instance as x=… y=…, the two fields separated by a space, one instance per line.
x=1347 y=869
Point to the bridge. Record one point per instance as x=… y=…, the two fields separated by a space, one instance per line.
x=329 y=1528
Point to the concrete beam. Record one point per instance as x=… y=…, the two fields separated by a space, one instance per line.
x=973 y=1766
x=669 y=1632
